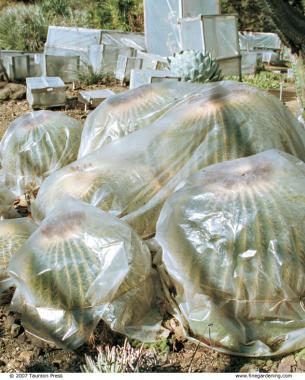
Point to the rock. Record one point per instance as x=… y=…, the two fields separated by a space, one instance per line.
x=5 y=93
x=301 y=364
x=22 y=338
x=26 y=356
x=249 y=368
x=19 y=95
x=284 y=368
x=15 y=330
x=289 y=360
x=286 y=364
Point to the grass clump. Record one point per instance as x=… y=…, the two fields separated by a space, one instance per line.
x=120 y=359
x=90 y=77
x=22 y=28
x=264 y=80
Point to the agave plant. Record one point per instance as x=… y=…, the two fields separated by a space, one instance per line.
x=195 y=66
x=13 y=234
x=35 y=145
x=233 y=245
x=117 y=359
x=81 y=266
x=132 y=177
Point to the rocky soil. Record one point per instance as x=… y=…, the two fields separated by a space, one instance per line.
x=21 y=353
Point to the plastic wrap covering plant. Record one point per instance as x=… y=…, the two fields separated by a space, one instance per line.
x=13 y=234
x=82 y=265
x=194 y=66
x=35 y=145
x=233 y=244
x=132 y=177
x=7 y=199
x=128 y=112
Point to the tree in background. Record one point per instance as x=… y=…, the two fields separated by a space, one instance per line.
x=289 y=18
x=252 y=15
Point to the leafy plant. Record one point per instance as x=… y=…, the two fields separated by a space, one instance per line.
x=90 y=77
x=119 y=359
x=264 y=80
x=22 y=28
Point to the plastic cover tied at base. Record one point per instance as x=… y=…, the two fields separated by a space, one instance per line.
x=133 y=176
x=125 y=113
x=35 y=145
x=13 y=234
x=7 y=198
x=81 y=266
x=234 y=247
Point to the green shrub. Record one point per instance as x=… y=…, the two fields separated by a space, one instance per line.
x=90 y=77
x=22 y=28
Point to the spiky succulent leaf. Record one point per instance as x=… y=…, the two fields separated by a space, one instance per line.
x=194 y=66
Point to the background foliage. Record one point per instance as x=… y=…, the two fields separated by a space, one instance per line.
x=33 y=17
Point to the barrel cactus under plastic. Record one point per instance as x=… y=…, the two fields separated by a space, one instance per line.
x=132 y=177
x=13 y=234
x=37 y=144
x=81 y=266
x=125 y=113
x=195 y=66
x=233 y=245
x=7 y=198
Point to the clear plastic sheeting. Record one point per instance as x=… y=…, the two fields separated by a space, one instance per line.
x=140 y=78
x=81 y=266
x=67 y=68
x=163 y=37
x=92 y=45
x=216 y=35
x=35 y=145
x=7 y=198
x=234 y=248
x=45 y=92
x=72 y=38
x=249 y=62
x=253 y=40
x=21 y=65
x=123 y=39
x=133 y=176
x=13 y=234
x=127 y=112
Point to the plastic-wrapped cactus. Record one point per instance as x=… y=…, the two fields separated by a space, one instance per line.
x=80 y=266
x=234 y=248
x=13 y=234
x=7 y=199
x=35 y=145
x=126 y=113
x=195 y=66
x=132 y=177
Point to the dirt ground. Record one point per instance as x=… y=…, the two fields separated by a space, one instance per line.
x=19 y=353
